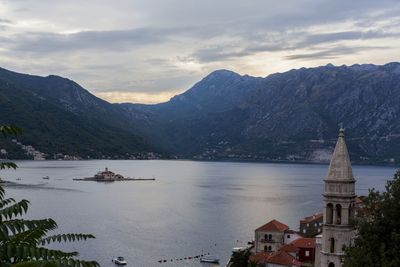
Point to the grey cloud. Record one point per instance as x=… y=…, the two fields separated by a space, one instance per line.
x=147 y=39
x=53 y=42
x=314 y=39
x=253 y=33
x=6 y=21
x=292 y=41
x=333 y=52
x=47 y=42
x=217 y=53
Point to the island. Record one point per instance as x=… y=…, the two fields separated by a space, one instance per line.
x=109 y=176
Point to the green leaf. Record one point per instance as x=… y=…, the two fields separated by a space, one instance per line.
x=10 y=130
x=8 y=165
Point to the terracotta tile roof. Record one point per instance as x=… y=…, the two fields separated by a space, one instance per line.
x=312 y=218
x=279 y=257
x=289 y=248
x=304 y=242
x=260 y=257
x=273 y=226
x=283 y=258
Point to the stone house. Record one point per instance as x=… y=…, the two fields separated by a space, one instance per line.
x=312 y=225
x=270 y=236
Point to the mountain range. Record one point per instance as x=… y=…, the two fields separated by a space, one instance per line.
x=293 y=115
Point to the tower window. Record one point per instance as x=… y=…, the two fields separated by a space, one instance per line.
x=351 y=212
x=332 y=249
x=338 y=214
x=329 y=213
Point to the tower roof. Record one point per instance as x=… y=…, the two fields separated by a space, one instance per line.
x=340 y=166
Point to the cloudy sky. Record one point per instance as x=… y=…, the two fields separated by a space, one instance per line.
x=147 y=51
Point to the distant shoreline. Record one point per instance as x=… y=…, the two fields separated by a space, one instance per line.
x=360 y=163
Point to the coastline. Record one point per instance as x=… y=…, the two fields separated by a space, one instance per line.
x=306 y=162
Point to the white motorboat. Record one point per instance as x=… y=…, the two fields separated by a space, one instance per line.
x=119 y=261
x=238 y=249
x=210 y=259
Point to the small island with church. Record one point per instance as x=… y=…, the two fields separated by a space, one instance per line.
x=109 y=176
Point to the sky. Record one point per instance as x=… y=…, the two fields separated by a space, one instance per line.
x=146 y=51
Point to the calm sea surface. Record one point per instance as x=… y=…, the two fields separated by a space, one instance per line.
x=191 y=208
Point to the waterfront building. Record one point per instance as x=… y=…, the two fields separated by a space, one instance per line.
x=306 y=250
x=273 y=235
x=290 y=236
x=339 y=206
x=300 y=252
x=270 y=236
x=312 y=225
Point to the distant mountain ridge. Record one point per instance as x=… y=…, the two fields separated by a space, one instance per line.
x=59 y=116
x=285 y=116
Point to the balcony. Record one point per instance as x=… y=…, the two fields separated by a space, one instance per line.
x=268 y=240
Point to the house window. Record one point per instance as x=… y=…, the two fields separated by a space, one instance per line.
x=288 y=236
x=265 y=248
x=269 y=237
x=269 y=248
x=307 y=253
x=304 y=230
x=331 y=264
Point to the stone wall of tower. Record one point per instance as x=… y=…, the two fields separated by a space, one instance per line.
x=339 y=197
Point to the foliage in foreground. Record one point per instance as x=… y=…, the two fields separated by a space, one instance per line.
x=241 y=259
x=22 y=242
x=378 y=229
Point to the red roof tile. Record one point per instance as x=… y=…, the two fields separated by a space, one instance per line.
x=289 y=248
x=260 y=257
x=278 y=257
x=273 y=226
x=283 y=258
x=304 y=242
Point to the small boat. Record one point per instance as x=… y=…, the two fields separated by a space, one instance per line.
x=210 y=259
x=46 y=177
x=119 y=261
x=238 y=249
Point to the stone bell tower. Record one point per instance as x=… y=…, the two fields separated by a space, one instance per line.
x=339 y=199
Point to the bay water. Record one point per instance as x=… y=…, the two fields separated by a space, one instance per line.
x=191 y=208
